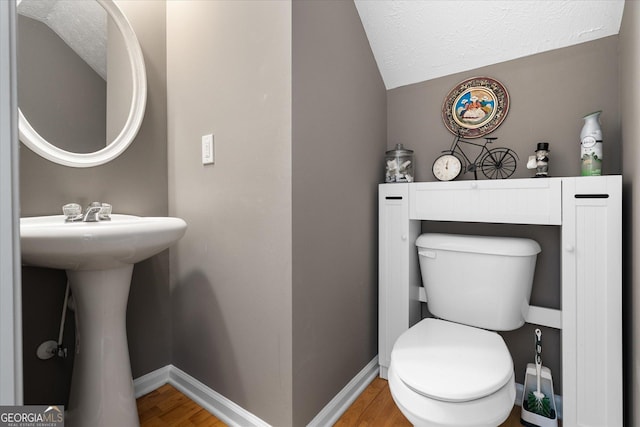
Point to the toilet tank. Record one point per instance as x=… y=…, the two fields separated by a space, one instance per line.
x=477 y=280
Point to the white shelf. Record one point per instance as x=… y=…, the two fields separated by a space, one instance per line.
x=542 y=316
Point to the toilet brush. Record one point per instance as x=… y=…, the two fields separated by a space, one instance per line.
x=537 y=402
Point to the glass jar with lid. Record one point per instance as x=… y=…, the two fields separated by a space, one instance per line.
x=398 y=165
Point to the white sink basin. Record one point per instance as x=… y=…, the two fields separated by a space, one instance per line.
x=98 y=258
x=47 y=241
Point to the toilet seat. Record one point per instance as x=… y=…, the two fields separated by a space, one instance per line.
x=443 y=374
x=421 y=411
x=451 y=362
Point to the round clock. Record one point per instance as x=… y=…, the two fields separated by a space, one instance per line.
x=447 y=167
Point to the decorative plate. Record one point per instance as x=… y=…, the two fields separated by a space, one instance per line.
x=475 y=107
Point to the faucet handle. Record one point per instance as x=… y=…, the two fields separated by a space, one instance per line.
x=71 y=209
x=72 y=212
x=105 y=212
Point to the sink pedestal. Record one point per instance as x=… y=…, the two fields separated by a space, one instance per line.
x=98 y=258
x=102 y=392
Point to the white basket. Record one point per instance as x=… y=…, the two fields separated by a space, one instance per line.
x=531 y=419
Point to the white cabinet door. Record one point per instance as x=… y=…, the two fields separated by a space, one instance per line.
x=398 y=275
x=592 y=301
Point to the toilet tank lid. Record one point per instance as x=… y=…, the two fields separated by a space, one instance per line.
x=491 y=245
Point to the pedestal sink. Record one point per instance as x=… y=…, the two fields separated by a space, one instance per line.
x=98 y=258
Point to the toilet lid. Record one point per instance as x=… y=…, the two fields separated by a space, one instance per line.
x=451 y=362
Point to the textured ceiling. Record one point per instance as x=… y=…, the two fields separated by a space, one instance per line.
x=418 y=40
x=81 y=24
x=412 y=40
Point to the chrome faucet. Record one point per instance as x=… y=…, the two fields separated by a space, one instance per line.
x=92 y=212
x=95 y=212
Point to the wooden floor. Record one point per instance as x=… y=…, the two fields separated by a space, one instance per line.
x=167 y=407
x=375 y=407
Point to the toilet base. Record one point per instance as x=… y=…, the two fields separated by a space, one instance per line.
x=422 y=411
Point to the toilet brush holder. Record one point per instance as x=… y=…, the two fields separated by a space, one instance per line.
x=532 y=419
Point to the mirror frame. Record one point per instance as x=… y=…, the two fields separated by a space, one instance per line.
x=44 y=148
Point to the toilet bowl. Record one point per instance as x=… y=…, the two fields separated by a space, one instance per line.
x=444 y=374
x=448 y=371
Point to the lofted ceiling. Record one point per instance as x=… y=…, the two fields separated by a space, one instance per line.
x=417 y=40
x=412 y=40
x=81 y=24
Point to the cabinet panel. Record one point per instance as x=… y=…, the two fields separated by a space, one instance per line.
x=522 y=201
x=398 y=275
x=592 y=304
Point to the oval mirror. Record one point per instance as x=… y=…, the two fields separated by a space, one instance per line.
x=82 y=86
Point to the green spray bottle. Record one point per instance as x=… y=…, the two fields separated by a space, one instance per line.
x=591 y=145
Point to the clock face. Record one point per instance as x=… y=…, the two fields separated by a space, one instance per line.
x=447 y=167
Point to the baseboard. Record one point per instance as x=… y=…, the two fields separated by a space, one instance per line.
x=151 y=381
x=223 y=408
x=234 y=415
x=212 y=401
x=341 y=402
x=558 y=399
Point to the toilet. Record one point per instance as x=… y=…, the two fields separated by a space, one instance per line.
x=453 y=369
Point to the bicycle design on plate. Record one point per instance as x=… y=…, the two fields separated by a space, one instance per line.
x=494 y=163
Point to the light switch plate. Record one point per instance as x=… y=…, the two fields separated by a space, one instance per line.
x=208 y=150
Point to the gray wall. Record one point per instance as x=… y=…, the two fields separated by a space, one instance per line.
x=135 y=183
x=229 y=73
x=281 y=228
x=549 y=95
x=339 y=129
x=629 y=95
x=60 y=94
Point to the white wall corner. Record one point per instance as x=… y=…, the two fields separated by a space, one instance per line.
x=212 y=401
x=151 y=381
